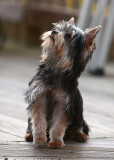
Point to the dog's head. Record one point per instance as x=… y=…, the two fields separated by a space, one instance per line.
x=67 y=47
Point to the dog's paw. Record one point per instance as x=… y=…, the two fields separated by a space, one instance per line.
x=55 y=144
x=81 y=137
x=40 y=141
x=29 y=137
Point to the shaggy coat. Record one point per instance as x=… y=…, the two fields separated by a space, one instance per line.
x=55 y=103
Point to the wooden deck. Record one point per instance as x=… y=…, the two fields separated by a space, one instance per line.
x=98 y=95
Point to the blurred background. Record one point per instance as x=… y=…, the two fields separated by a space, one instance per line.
x=21 y=24
x=23 y=21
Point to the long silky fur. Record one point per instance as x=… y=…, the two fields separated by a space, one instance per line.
x=51 y=76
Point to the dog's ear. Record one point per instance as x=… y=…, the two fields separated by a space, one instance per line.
x=90 y=35
x=71 y=21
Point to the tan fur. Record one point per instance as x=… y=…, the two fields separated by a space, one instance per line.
x=39 y=123
x=60 y=52
x=88 y=49
x=58 y=128
x=91 y=47
x=57 y=131
x=60 y=97
x=66 y=65
x=80 y=137
x=48 y=45
x=59 y=40
x=55 y=144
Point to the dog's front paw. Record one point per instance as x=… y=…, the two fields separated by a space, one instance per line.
x=40 y=141
x=55 y=144
x=81 y=137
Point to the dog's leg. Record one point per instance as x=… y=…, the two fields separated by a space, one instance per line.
x=59 y=120
x=82 y=130
x=29 y=136
x=57 y=131
x=82 y=134
x=39 y=124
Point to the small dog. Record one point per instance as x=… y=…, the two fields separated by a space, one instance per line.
x=55 y=102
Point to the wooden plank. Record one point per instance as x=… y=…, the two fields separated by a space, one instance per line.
x=33 y=158
x=13 y=126
x=7 y=137
x=17 y=127
x=94 y=148
x=98 y=96
x=100 y=118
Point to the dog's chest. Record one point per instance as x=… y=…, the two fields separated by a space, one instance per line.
x=56 y=102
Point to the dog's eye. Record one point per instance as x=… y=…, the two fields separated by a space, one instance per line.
x=53 y=32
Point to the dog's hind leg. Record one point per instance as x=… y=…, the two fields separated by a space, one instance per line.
x=82 y=129
x=82 y=133
x=29 y=136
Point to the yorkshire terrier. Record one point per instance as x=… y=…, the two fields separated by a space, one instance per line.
x=55 y=102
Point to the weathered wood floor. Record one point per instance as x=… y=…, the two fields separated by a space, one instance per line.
x=98 y=95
